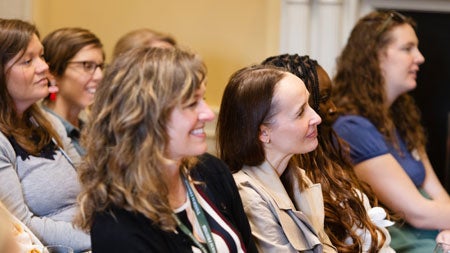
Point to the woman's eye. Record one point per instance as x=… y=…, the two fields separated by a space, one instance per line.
x=323 y=99
x=27 y=61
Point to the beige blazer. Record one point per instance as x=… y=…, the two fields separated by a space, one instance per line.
x=277 y=225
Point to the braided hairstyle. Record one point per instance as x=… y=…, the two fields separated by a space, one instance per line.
x=329 y=165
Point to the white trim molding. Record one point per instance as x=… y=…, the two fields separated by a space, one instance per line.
x=320 y=28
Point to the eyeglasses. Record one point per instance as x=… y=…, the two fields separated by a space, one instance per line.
x=392 y=16
x=89 y=66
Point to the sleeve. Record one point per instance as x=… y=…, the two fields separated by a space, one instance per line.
x=377 y=216
x=47 y=230
x=265 y=228
x=240 y=216
x=222 y=181
x=362 y=136
x=121 y=231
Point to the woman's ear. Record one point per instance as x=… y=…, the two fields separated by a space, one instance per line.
x=264 y=134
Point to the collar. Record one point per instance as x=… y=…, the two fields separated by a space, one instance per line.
x=72 y=131
x=268 y=179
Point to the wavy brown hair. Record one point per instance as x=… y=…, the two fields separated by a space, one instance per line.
x=359 y=85
x=126 y=136
x=31 y=130
x=327 y=165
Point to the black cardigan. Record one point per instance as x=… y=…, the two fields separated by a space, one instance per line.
x=118 y=230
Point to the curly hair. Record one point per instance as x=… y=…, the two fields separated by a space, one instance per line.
x=126 y=136
x=15 y=35
x=327 y=165
x=359 y=85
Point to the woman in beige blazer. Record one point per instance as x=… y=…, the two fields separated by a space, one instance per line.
x=264 y=120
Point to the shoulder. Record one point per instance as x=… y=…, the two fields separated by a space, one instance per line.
x=6 y=147
x=362 y=136
x=55 y=121
x=211 y=169
x=346 y=121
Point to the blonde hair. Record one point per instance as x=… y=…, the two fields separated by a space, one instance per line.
x=141 y=38
x=126 y=136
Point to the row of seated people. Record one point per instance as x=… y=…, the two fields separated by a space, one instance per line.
x=140 y=181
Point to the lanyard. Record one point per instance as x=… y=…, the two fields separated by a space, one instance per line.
x=201 y=218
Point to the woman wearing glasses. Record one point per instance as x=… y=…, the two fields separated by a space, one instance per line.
x=38 y=181
x=75 y=57
x=380 y=122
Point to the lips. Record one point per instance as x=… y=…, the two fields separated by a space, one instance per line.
x=43 y=81
x=313 y=134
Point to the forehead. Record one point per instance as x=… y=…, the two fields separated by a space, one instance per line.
x=403 y=34
x=290 y=89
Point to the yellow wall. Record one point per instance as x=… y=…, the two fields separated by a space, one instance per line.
x=228 y=34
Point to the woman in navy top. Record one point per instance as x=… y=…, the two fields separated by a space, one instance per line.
x=381 y=124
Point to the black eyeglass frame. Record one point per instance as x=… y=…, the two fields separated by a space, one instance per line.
x=89 y=66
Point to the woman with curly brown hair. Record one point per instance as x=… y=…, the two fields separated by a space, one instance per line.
x=144 y=190
x=347 y=209
x=381 y=123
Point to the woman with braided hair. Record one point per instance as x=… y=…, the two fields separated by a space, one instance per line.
x=347 y=209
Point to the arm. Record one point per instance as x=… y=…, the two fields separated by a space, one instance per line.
x=432 y=185
x=48 y=230
x=396 y=190
x=391 y=184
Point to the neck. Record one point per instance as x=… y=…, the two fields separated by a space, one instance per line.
x=175 y=184
x=67 y=112
x=278 y=163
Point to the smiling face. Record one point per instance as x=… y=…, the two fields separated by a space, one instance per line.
x=26 y=80
x=293 y=129
x=400 y=61
x=186 y=127
x=77 y=86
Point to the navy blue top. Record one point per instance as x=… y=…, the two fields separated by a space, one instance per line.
x=367 y=142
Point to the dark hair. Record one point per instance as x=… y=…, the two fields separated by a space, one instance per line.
x=359 y=85
x=246 y=105
x=15 y=36
x=63 y=44
x=328 y=165
x=304 y=68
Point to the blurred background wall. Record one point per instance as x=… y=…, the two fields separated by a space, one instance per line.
x=235 y=33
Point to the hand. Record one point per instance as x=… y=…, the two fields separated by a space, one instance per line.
x=443 y=236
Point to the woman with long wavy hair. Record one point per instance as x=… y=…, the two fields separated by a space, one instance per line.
x=381 y=123
x=350 y=222
x=264 y=120
x=38 y=179
x=144 y=190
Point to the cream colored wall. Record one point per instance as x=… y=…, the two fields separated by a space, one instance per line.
x=228 y=34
